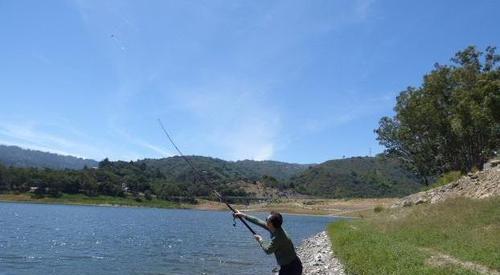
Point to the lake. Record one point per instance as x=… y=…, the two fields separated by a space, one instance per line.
x=64 y=239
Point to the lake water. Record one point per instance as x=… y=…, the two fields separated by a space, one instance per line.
x=63 y=239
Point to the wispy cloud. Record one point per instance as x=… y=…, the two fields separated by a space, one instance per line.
x=238 y=118
x=236 y=115
x=362 y=9
x=347 y=112
x=31 y=135
x=124 y=134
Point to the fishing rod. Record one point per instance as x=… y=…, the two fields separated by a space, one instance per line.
x=200 y=175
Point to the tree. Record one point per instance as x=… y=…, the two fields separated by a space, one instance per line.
x=3 y=179
x=452 y=121
x=88 y=184
x=105 y=163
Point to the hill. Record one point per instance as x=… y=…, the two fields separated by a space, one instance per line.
x=19 y=157
x=176 y=169
x=172 y=177
x=356 y=177
x=281 y=171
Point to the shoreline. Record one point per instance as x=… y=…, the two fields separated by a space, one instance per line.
x=344 y=208
x=172 y=208
x=317 y=256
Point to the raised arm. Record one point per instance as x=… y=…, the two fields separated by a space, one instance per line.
x=252 y=219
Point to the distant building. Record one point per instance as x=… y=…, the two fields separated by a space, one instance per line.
x=124 y=187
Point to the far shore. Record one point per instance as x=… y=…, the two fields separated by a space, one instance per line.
x=307 y=207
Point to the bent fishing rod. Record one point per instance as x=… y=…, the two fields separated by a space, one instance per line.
x=202 y=177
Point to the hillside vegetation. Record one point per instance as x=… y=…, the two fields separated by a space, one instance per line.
x=171 y=178
x=176 y=169
x=359 y=177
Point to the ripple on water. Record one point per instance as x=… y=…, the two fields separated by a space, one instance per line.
x=55 y=239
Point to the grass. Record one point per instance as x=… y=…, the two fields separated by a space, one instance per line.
x=445 y=179
x=399 y=241
x=85 y=200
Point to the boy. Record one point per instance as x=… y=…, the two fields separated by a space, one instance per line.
x=280 y=245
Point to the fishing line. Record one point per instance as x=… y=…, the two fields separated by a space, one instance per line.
x=202 y=177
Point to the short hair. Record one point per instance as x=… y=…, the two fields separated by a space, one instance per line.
x=275 y=219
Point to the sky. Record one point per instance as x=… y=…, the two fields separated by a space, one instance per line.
x=293 y=81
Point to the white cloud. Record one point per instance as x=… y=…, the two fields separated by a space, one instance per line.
x=362 y=9
x=239 y=121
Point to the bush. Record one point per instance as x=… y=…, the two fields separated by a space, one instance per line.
x=148 y=195
x=54 y=193
x=446 y=178
x=378 y=209
x=37 y=196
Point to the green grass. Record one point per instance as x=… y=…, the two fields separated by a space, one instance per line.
x=392 y=241
x=97 y=200
x=445 y=179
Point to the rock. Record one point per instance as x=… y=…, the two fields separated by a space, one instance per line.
x=317 y=256
x=491 y=164
x=407 y=203
x=478 y=185
x=420 y=201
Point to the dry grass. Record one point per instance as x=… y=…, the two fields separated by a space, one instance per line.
x=334 y=207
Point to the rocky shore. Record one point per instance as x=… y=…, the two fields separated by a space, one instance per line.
x=478 y=185
x=317 y=256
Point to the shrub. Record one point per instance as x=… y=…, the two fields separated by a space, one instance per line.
x=447 y=178
x=378 y=209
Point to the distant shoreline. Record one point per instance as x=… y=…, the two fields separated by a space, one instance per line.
x=302 y=207
x=79 y=199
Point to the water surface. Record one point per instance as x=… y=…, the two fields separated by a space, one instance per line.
x=64 y=239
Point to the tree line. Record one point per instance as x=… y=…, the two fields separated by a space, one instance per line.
x=109 y=178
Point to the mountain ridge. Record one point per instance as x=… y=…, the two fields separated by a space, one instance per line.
x=352 y=177
x=12 y=155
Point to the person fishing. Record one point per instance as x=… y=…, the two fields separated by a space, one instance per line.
x=281 y=245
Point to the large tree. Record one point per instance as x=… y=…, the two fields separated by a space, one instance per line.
x=450 y=122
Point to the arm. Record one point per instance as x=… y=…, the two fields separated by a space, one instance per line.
x=251 y=219
x=256 y=221
x=269 y=248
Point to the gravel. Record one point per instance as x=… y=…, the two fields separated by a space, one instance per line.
x=317 y=256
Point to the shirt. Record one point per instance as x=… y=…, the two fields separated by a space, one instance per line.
x=280 y=244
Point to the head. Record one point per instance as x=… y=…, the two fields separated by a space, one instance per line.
x=274 y=221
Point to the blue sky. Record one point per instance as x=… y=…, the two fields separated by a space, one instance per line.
x=294 y=81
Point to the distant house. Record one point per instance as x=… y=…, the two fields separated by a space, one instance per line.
x=124 y=187
x=33 y=189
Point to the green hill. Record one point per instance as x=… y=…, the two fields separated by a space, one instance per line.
x=170 y=177
x=356 y=177
x=353 y=177
x=176 y=169
x=281 y=171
